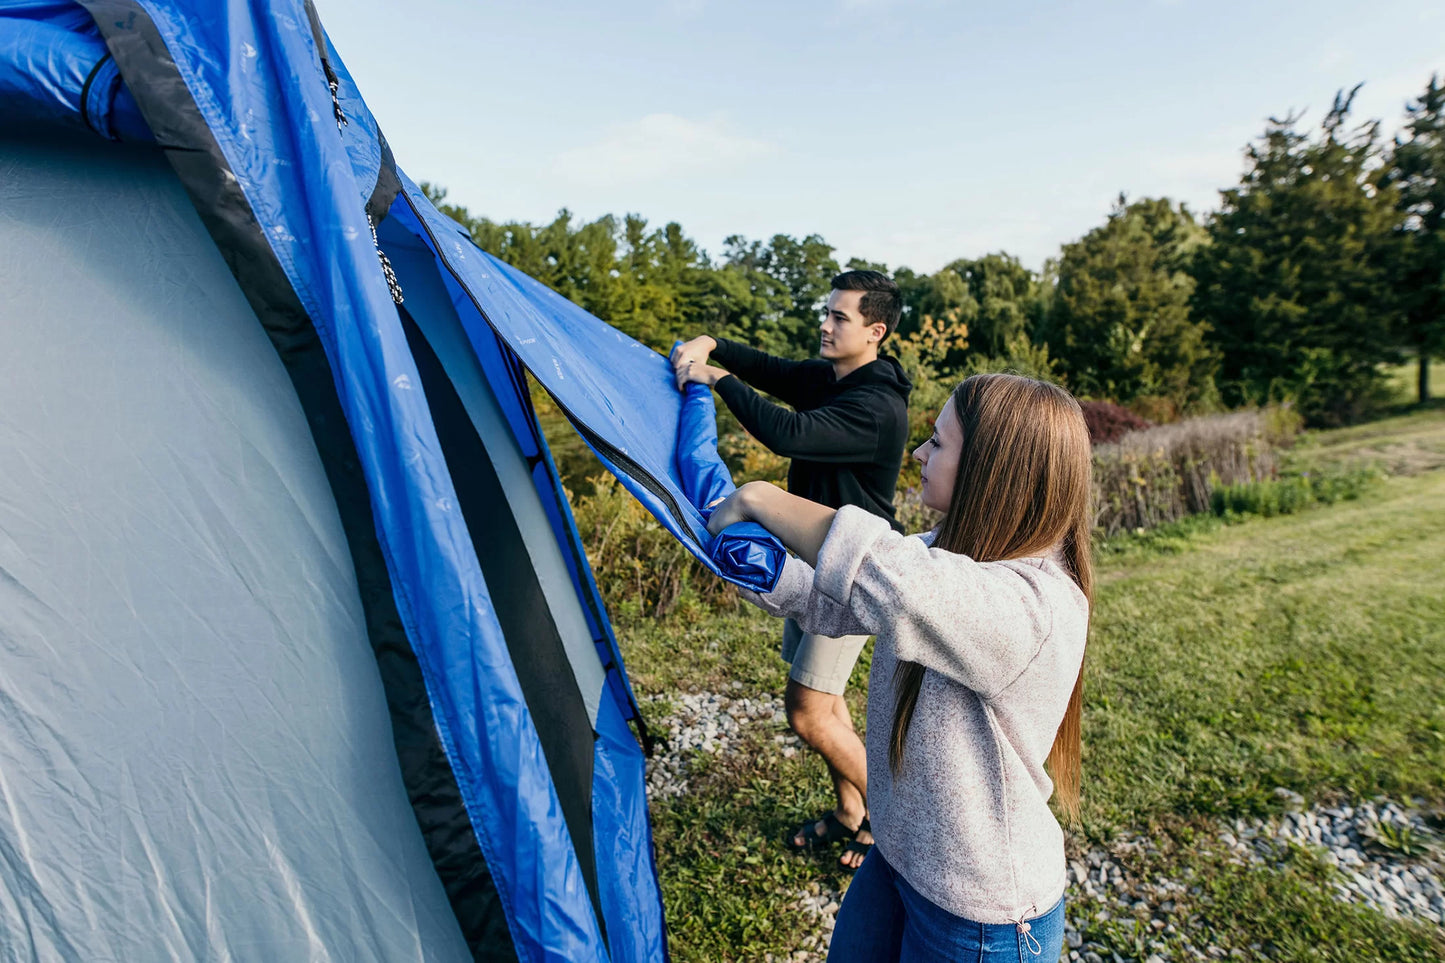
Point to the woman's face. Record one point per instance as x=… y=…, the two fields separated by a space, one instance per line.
x=939 y=458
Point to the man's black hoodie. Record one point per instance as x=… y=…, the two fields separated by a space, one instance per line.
x=845 y=436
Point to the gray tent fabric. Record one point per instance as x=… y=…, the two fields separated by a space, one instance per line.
x=184 y=666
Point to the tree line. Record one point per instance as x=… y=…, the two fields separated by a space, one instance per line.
x=1324 y=263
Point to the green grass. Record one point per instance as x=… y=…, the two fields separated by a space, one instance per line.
x=1228 y=657
x=1305 y=651
x=1404 y=445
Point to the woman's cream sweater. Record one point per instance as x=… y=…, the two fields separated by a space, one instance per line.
x=967 y=821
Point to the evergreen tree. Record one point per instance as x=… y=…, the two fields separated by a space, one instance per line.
x=1294 y=283
x=1416 y=171
x=1119 y=322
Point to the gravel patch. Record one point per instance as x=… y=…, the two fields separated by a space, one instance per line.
x=819 y=903
x=1363 y=841
x=1385 y=853
x=712 y=723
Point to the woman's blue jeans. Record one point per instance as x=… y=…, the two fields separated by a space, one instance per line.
x=883 y=918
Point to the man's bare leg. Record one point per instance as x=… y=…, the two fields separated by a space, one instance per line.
x=844 y=786
x=822 y=720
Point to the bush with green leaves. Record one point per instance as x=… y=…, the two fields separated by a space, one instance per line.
x=1289 y=494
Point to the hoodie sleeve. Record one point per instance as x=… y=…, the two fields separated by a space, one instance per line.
x=843 y=432
x=776 y=376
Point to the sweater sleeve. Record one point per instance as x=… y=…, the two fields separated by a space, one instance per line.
x=776 y=376
x=794 y=598
x=846 y=431
x=978 y=624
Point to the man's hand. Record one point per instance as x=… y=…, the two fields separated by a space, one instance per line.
x=689 y=363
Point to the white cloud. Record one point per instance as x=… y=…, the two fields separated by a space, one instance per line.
x=659 y=147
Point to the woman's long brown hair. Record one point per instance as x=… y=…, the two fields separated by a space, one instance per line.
x=1022 y=490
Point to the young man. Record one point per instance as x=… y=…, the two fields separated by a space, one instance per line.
x=845 y=435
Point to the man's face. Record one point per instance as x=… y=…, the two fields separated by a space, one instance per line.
x=843 y=333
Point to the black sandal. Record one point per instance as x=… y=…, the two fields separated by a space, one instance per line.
x=812 y=839
x=854 y=846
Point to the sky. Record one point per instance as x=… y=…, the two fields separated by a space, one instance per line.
x=911 y=132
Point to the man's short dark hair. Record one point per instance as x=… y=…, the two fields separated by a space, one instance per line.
x=882 y=303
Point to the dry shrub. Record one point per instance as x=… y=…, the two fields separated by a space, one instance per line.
x=1109 y=422
x=640 y=568
x=1155 y=409
x=1161 y=474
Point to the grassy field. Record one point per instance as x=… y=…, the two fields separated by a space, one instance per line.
x=1402 y=381
x=1304 y=651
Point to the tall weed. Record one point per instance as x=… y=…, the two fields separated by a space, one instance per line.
x=642 y=570
x=1162 y=474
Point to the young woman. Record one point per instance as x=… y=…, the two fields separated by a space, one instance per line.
x=975 y=683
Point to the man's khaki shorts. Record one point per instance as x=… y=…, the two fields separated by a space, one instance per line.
x=819 y=662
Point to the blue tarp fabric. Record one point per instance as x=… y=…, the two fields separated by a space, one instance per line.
x=255 y=77
x=54 y=68
x=745 y=553
x=245 y=67
x=620 y=394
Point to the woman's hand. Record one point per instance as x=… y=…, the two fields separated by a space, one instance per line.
x=731 y=510
x=800 y=525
